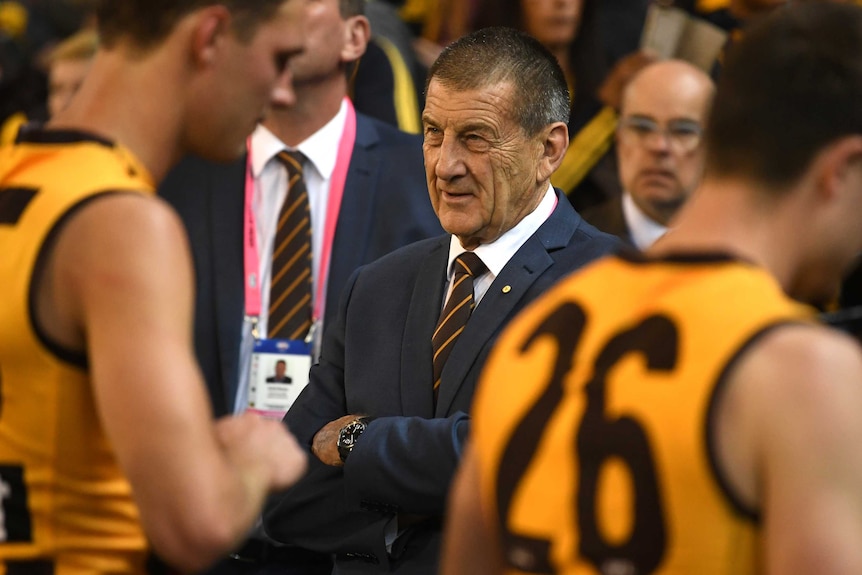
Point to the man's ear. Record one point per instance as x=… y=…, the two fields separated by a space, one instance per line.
x=555 y=144
x=357 y=34
x=210 y=26
x=837 y=163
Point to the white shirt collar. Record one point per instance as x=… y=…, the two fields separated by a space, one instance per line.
x=498 y=253
x=317 y=148
x=643 y=229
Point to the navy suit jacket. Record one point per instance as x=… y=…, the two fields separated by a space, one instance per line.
x=385 y=206
x=377 y=360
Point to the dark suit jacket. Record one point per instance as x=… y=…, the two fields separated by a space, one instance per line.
x=385 y=206
x=377 y=360
x=609 y=218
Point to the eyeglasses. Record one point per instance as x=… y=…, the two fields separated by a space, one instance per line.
x=684 y=135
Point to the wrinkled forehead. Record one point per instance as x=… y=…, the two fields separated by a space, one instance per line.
x=448 y=104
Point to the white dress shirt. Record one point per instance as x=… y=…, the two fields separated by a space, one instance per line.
x=270 y=190
x=643 y=229
x=497 y=254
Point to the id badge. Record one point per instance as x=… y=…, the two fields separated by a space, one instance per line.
x=279 y=372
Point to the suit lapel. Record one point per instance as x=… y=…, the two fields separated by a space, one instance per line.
x=498 y=304
x=491 y=313
x=227 y=205
x=417 y=372
x=356 y=215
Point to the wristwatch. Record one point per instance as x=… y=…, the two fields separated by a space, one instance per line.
x=349 y=434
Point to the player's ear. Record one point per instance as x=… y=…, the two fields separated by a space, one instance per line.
x=840 y=165
x=209 y=26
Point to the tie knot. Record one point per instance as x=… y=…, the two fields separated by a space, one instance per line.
x=292 y=160
x=471 y=264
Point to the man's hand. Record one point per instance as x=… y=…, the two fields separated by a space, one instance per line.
x=325 y=442
x=262 y=448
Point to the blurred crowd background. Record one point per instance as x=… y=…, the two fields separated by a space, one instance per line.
x=608 y=30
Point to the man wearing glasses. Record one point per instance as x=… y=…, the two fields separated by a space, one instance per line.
x=659 y=150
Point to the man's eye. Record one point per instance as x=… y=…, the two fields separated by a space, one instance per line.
x=643 y=127
x=684 y=129
x=684 y=132
x=282 y=59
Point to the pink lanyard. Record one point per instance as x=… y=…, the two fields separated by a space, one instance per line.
x=251 y=259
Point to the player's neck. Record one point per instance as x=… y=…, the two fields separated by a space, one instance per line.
x=725 y=216
x=115 y=85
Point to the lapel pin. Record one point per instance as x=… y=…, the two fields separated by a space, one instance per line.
x=507 y=289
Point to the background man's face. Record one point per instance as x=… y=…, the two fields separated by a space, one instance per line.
x=661 y=168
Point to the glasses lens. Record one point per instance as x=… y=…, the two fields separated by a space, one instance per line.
x=641 y=127
x=684 y=135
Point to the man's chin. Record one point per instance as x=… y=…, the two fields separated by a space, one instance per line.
x=456 y=222
x=659 y=192
x=222 y=156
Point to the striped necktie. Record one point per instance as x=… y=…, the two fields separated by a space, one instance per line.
x=290 y=289
x=456 y=312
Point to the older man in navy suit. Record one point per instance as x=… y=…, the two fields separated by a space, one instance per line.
x=386 y=410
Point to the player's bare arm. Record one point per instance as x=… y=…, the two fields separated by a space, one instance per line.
x=798 y=394
x=470 y=546
x=119 y=278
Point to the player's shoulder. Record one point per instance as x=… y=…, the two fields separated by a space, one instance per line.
x=811 y=346
x=130 y=207
x=800 y=363
x=123 y=224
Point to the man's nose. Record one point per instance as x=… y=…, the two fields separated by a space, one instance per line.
x=283 y=94
x=450 y=160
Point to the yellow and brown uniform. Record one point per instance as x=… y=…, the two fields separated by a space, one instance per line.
x=66 y=506
x=593 y=421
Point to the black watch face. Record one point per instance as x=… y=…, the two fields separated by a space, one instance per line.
x=349 y=433
x=348 y=436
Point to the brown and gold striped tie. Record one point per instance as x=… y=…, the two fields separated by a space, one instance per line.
x=456 y=312
x=290 y=289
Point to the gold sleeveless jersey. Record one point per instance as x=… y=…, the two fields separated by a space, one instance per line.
x=592 y=422
x=66 y=506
